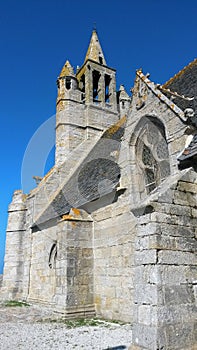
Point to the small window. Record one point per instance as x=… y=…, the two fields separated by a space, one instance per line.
x=68 y=83
x=100 y=60
x=82 y=83
x=53 y=256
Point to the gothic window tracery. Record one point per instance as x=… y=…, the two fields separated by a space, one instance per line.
x=150 y=168
x=152 y=155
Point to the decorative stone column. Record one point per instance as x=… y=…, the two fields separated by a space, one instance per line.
x=88 y=85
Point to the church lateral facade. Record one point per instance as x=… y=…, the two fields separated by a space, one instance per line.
x=111 y=229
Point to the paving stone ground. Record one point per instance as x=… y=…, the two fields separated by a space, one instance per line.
x=29 y=328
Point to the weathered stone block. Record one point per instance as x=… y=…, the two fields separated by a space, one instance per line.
x=146 y=294
x=187 y=187
x=166 y=197
x=185 y=198
x=177 y=230
x=146 y=257
x=178 y=336
x=170 y=257
x=189 y=176
x=148 y=229
x=178 y=294
x=145 y=336
x=144 y=314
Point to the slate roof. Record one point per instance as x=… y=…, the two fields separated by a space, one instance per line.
x=185 y=84
x=96 y=177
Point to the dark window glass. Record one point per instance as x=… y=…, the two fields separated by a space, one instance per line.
x=147 y=156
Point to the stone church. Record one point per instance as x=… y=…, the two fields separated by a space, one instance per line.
x=111 y=229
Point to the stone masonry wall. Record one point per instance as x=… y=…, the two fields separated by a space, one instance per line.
x=80 y=288
x=42 y=283
x=114 y=233
x=61 y=272
x=165 y=279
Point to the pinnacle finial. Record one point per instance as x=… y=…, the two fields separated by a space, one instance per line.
x=66 y=70
x=123 y=93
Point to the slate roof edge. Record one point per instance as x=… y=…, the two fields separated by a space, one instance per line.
x=181 y=72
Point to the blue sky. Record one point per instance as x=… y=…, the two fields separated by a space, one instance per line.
x=38 y=36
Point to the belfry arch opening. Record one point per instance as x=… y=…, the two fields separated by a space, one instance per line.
x=82 y=87
x=107 y=84
x=95 y=80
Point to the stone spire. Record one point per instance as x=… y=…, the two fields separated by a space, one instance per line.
x=67 y=70
x=95 y=52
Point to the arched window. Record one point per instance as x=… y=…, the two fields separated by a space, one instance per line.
x=152 y=154
x=53 y=256
x=95 y=78
x=68 y=83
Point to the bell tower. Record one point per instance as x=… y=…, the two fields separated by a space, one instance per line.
x=97 y=80
x=86 y=102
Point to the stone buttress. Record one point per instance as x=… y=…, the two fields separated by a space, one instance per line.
x=14 y=256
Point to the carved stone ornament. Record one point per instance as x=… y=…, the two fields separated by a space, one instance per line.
x=142 y=95
x=191 y=117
